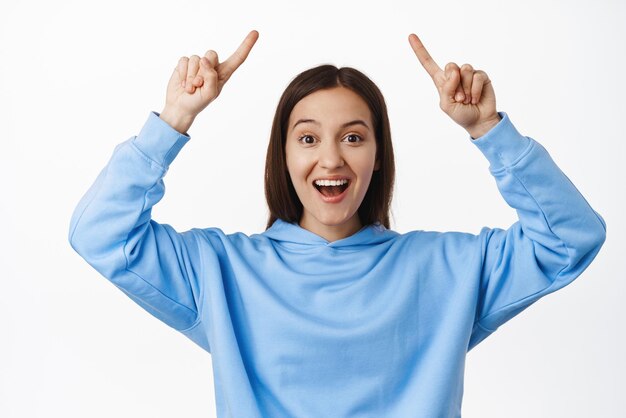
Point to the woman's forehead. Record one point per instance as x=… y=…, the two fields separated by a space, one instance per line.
x=336 y=107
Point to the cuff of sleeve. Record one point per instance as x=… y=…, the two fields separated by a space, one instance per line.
x=503 y=144
x=159 y=141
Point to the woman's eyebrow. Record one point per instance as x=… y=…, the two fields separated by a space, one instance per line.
x=345 y=125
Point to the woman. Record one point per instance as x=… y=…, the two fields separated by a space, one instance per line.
x=329 y=313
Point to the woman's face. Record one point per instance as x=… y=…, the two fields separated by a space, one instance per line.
x=331 y=155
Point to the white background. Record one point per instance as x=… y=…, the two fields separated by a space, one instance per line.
x=79 y=77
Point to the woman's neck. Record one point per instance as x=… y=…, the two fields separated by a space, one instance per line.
x=332 y=232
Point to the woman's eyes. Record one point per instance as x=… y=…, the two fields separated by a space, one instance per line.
x=304 y=140
x=352 y=138
x=356 y=137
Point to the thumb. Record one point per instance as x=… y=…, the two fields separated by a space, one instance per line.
x=209 y=75
x=450 y=86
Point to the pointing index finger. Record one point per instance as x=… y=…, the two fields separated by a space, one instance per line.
x=423 y=56
x=239 y=56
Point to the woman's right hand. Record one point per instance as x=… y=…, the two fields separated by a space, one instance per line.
x=196 y=82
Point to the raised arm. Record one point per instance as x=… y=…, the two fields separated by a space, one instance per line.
x=558 y=233
x=111 y=227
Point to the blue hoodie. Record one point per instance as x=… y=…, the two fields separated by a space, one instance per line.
x=376 y=324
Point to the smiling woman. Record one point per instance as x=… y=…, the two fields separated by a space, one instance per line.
x=329 y=312
x=331 y=171
x=330 y=124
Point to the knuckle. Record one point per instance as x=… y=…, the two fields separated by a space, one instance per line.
x=467 y=67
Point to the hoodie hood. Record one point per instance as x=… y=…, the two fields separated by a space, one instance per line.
x=286 y=232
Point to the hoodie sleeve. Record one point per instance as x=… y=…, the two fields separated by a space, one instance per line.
x=112 y=229
x=556 y=237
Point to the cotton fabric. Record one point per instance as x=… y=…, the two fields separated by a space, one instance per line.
x=377 y=324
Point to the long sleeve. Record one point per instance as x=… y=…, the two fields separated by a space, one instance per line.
x=112 y=229
x=557 y=236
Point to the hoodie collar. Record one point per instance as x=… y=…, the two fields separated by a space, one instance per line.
x=283 y=231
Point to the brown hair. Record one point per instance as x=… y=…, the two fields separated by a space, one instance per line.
x=282 y=200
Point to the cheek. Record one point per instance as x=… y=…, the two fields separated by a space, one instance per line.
x=295 y=174
x=365 y=172
x=297 y=166
x=366 y=162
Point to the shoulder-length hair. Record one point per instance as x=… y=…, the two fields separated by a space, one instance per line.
x=282 y=200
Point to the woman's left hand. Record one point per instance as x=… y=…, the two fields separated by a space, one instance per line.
x=465 y=94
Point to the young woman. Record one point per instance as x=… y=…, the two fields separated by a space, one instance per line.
x=328 y=312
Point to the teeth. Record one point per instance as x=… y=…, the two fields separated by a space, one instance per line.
x=331 y=182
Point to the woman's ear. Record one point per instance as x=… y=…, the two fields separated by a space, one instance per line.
x=377 y=164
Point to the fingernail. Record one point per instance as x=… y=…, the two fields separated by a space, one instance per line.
x=459 y=97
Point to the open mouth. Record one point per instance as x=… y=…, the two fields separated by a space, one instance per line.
x=329 y=188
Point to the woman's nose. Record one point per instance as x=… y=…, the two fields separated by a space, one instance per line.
x=330 y=155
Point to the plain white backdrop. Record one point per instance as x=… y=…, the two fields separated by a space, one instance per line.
x=77 y=78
